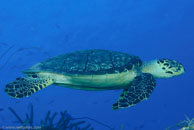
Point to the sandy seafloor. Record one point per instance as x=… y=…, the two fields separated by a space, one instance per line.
x=34 y=30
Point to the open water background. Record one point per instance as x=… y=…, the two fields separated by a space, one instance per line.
x=34 y=30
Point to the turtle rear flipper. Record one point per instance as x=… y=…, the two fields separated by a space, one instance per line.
x=25 y=86
x=139 y=90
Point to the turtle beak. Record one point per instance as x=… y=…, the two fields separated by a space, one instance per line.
x=181 y=68
x=184 y=69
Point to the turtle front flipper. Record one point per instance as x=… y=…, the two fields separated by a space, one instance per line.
x=139 y=90
x=25 y=86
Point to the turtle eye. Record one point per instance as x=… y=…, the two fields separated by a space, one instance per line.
x=34 y=76
x=169 y=72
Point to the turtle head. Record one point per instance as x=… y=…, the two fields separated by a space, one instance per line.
x=163 y=68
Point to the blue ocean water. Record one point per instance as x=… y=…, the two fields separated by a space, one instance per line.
x=34 y=30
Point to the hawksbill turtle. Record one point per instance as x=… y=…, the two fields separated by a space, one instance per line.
x=97 y=70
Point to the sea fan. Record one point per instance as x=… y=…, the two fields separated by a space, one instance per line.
x=50 y=122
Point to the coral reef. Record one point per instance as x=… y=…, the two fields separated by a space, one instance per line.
x=65 y=121
x=54 y=122
x=187 y=124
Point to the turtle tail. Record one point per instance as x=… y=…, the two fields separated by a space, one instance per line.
x=25 y=86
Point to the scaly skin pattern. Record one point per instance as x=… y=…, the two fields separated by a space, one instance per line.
x=25 y=86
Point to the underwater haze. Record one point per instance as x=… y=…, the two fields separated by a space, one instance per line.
x=32 y=31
